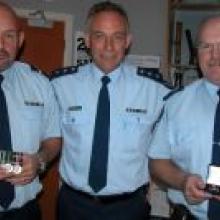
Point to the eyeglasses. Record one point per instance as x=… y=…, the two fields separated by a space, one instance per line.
x=207 y=47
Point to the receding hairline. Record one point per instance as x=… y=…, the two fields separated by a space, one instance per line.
x=203 y=24
x=11 y=12
x=103 y=7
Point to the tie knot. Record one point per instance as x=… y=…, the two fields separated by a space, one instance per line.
x=1 y=78
x=218 y=92
x=105 y=80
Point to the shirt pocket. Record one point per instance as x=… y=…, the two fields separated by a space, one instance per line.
x=136 y=128
x=71 y=118
x=33 y=113
x=32 y=127
x=183 y=143
x=136 y=121
x=131 y=134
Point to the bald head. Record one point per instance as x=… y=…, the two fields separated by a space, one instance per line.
x=6 y=10
x=207 y=24
x=11 y=36
x=208 y=44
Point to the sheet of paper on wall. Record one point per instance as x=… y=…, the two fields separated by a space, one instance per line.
x=144 y=60
x=81 y=56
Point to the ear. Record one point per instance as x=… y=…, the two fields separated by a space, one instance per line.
x=20 y=38
x=128 y=41
x=87 y=40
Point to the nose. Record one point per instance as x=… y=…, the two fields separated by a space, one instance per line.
x=1 y=42
x=215 y=51
x=108 y=43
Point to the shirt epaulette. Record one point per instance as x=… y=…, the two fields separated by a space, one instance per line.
x=63 y=71
x=157 y=120
x=171 y=93
x=35 y=69
x=153 y=74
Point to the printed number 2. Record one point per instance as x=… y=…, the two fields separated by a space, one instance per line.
x=81 y=44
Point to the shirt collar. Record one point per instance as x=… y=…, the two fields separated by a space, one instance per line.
x=212 y=89
x=98 y=74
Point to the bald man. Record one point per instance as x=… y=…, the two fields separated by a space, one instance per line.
x=185 y=151
x=32 y=121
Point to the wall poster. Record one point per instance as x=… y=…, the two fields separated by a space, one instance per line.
x=81 y=56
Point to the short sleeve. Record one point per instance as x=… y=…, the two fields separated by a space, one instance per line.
x=160 y=147
x=51 y=119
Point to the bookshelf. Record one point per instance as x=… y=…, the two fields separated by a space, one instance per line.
x=184 y=18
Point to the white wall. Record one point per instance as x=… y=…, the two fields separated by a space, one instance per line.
x=148 y=19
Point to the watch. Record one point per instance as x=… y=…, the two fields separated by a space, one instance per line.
x=42 y=164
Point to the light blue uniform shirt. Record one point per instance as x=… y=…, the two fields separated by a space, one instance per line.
x=33 y=117
x=135 y=103
x=185 y=135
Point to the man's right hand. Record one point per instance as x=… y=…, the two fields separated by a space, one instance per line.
x=193 y=189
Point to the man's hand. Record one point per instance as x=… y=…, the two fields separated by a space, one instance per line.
x=4 y=174
x=193 y=189
x=30 y=166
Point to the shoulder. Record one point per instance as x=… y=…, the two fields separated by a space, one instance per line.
x=30 y=70
x=186 y=93
x=70 y=70
x=172 y=93
x=152 y=74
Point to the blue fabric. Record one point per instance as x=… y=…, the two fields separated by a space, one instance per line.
x=214 y=206
x=99 y=157
x=185 y=135
x=33 y=117
x=136 y=103
x=6 y=189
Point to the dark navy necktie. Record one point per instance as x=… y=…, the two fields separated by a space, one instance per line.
x=99 y=157
x=214 y=206
x=6 y=188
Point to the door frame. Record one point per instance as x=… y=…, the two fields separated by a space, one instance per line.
x=68 y=20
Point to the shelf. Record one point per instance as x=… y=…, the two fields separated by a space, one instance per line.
x=184 y=67
x=196 y=7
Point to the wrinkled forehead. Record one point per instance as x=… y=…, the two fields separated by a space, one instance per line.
x=8 y=18
x=210 y=30
x=108 y=19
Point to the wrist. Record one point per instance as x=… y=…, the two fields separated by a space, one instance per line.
x=42 y=165
x=184 y=181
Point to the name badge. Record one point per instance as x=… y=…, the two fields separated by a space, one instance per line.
x=136 y=110
x=30 y=103
x=75 y=108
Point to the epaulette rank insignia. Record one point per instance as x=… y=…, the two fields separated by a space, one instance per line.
x=171 y=93
x=63 y=71
x=35 y=69
x=152 y=73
